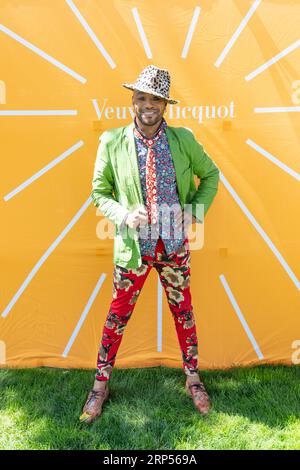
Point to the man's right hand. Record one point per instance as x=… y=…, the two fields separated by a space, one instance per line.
x=137 y=217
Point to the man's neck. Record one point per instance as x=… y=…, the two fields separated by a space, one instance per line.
x=148 y=131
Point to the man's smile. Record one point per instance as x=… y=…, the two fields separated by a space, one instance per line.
x=149 y=113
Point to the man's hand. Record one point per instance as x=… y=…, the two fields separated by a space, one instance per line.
x=137 y=217
x=183 y=217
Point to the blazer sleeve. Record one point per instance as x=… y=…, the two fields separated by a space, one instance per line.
x=208 y=172
x=103 y=185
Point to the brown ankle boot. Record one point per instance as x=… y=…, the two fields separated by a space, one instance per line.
x=199 y=395
x=93 y=406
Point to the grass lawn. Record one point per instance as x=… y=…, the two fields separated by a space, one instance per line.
x=253 y=408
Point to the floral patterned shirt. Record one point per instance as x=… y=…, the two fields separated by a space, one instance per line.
x=167 y=196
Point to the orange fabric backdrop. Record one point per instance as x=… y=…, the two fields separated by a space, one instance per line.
x=235 y=67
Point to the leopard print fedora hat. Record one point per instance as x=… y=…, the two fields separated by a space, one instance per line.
x=153 y=80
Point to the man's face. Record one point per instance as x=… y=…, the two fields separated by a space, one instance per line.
x=149 y=109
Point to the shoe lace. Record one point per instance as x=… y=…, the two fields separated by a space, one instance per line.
x=95 y=394
x=199 y=387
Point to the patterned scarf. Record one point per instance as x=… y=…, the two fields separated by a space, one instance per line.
x=151 y=187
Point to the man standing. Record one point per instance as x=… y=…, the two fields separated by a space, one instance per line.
x=143 y=178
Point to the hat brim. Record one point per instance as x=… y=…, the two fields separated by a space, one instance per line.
x=132 y=86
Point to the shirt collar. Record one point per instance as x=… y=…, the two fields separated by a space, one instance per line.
x=162 y=124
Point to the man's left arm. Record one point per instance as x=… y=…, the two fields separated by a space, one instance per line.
x=208 y=172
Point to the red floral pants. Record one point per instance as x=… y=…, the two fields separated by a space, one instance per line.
x=174 y=273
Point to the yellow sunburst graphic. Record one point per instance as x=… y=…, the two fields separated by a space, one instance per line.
x=235 y=68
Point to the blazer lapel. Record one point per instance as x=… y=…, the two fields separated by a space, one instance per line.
x=132 y=155
x=175 y=153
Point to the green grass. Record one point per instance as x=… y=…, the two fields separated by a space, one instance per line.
x=253 y=408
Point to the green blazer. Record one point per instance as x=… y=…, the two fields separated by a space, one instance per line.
x=116 y=186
